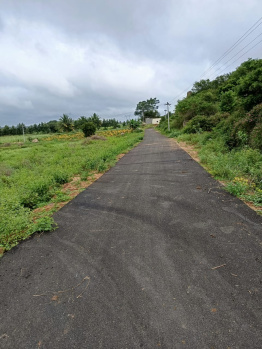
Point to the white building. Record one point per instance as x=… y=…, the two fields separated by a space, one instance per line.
x=153 y=121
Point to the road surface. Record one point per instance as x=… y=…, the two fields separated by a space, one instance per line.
x=155 y=254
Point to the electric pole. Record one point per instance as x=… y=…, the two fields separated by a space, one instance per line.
x=167 y=105
x=23 y=132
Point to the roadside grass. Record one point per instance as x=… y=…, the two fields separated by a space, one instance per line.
x=239 y=169
x=33 y=175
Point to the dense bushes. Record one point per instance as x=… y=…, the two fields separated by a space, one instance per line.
x=199 y=124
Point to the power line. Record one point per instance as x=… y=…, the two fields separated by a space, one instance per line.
x=241 y=56
x=242 y=38
x=239 y=52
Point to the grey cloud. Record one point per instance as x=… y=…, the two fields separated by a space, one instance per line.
x=81 y=57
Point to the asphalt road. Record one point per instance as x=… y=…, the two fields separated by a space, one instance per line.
x=155 y=254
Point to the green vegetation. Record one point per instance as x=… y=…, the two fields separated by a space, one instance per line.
x=147 y=109
x=32 y=175
x=223 y=119
x=89 y=128
x=64 y=124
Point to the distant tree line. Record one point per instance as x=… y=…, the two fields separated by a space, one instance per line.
x=64 y=124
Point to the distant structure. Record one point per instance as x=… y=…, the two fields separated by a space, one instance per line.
x=189 y=93
x=153 y=121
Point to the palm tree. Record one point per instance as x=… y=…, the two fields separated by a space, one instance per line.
x=66 y=123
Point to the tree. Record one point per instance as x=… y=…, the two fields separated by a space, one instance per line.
x=250 y=87
x=96 y=120
x=6 y=130
x=20 y=128
x=110 y=123
x=147 y=108
x=79 y=123
x=133 y=124
x=66 y=123
x=227 y=101
x=89 y=129
x=201 y=85
x=53 y=126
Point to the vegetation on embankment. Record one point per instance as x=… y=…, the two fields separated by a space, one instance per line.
x=32 y=175
x=223 y=119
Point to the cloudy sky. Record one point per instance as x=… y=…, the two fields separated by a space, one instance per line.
x=81 y=56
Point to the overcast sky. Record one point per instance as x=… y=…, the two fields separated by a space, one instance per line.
x=81 y=56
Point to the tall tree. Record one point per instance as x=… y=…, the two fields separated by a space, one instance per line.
x=78 y=124
x=66 y=123
x=96 y=120
x=147 y=108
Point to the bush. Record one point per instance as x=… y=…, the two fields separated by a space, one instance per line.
x=89 y=129
x=227 y=102
x=247 y=129
x=255 y=115
x=256 y=137
x=218 y=117
x=134 y=124
x=177 y=122
x=198 y=124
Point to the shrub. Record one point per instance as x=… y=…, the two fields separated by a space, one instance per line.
x=247 y=129
x=89 y=128
x=177 y=122
x=255 y=115
x=218 y=117
x=256 y=137
x=198 y=124
x=134 y=124
x=227 y=101
x=238 y=187
x=61 y=177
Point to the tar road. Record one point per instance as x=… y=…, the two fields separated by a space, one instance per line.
x=154 y=254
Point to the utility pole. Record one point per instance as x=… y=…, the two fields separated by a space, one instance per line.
x=23 y=132
x=143 y=115
x=167 y=105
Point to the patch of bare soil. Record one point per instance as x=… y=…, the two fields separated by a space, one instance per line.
x=71 y=189
x=120 y=156
x=96 y=137
x=190 y=150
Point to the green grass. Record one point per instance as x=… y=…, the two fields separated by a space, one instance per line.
x=32 y=175
x=21 y=138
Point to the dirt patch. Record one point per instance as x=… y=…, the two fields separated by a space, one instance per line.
x=190 y=150
x=72 y=189
x=255 y=208
x=5 y=145
x=120 y=156
x=101 y=138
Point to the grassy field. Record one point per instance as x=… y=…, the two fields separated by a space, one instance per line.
x=32 y=176
x=21 y=138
